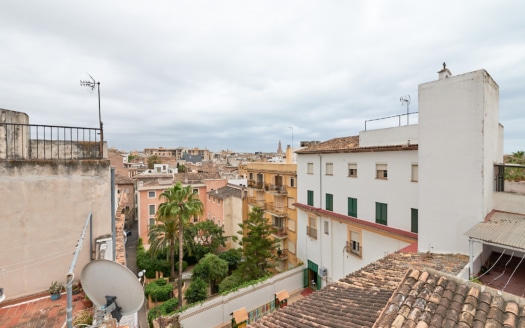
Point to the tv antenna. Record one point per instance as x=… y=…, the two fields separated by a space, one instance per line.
x=405 y=100
x=106 y=283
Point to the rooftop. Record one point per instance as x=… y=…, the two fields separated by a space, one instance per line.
x=349 y=144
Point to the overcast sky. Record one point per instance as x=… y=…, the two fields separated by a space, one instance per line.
x=239 y=74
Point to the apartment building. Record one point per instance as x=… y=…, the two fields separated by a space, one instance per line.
x=273 y=187
x=422 y=185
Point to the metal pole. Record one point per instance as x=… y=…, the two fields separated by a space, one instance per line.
x=71 y=275
x=113 y=216
x=100 y=121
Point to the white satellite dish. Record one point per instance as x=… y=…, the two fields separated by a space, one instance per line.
x=103 y=278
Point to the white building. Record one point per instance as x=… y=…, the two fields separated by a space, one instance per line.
x=363 y=196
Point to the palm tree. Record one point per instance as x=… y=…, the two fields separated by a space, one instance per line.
x=180 y=205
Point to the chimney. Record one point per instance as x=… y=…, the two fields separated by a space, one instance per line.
x=444 y=73
x=289 y=155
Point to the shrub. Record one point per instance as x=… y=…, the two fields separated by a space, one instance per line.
x=230 y=283
x=196 y=292
x=159 y=293
x=166 y=308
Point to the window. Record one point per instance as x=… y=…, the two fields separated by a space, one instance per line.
x=278 y=222
x=219 y=222
x=151 y=194
x=151 y=222
x=413 y=220
x=152 y=209
x=329 y=202
x=213 y=219
x=195 y=191
x=354 y=246
x=415 y=173
x=209 y=216
x=291 y=224
x=381 y=171
x=310 y=200
x=251 y=176
x=291 y=201
x=329 y=169
x=381 y=213
x=209 y=197
x=195 y=219
x=311 y=229
x=326 y=231
x=310 y=168
x=219 y=201
x=292 y=182
x=291 y=246
x=352 y=207
x=352 y=170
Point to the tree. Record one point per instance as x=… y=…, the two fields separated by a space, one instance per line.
x=233 y=257
x=204 y=237
x=258 y=246
x=211 y=269
x=515 y=173
x=180 y=205
x=196 y=292
x=152 y=160
x=181 y=168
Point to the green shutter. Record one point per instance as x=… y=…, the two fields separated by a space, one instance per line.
x=310 y=198
x=414 y=220
x=352 y=207
x=381 y=213
x=329 y=202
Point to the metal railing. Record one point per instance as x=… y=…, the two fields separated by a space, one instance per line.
x=312 y=232
x=393 y=116
x=32 y=141
x=278 y=210
x=277 y=189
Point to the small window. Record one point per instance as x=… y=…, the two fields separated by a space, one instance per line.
x=381 y=213
x=251 y=175
x=381 y=171
x=209 y=197
x=414 y=220
x=291 y=247
x=151 y=194
x=326 y=225
x=291 y=201
x=352 y=207
x=310 y=198
x=151 y=222
x=354 y=246
x=310 y=168
x=292 y=182
x=352 y=170
x=311 y=229
x=219 y=222
x=329 y=202
x=152 y=209
x=218 y=201
x=415 y=173
x=329 y=169
x=291 y=224
x=195 y=191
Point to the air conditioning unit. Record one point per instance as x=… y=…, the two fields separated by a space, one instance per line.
x=322 y=272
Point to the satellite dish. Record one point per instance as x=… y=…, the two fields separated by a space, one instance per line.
x=103 y=278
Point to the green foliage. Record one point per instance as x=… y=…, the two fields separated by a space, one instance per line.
x=515 y=174
x=203 y=237
x=130 y=158
x=226 y=290
x=197 y=291
x=151 y=264
x=259 y=247
x=233 y=257
x=152 y=160
x=230 y=283
x=184 y=265
x=167 y=308
x=181 y=168
x=211 y=269
x=159 y=290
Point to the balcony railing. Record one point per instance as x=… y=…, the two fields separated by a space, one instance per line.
x=282 y=254
x=256 y=202
x=30 y=141
x=280 y=232
x=275 y=189
x=312 y=232
x=276 y=210
x=255 y=184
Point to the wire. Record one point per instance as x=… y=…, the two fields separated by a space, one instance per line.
x=54 y=256
x=491 y=266
x=513 y=272
x=505 y=269
x=32 y=245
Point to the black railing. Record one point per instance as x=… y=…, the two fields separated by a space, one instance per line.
x=394 y=116
x=32 y=141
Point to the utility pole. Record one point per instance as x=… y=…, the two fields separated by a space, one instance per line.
x=291 y=127
x=91 y=84
x=405 y=100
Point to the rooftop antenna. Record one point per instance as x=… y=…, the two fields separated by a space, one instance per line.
x=91 y=84
x=405 y=100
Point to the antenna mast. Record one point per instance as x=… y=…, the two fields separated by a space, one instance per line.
x=405 y=100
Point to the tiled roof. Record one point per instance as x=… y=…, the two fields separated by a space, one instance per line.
x=357 y=299
x=429 y=298
x=226 y=192
x=194 y=178
x=348 y=145
x=120 y=179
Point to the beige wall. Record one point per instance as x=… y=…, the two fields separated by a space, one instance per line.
x=44 y=205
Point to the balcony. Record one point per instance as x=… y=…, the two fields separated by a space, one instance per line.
x=275 y=210
x=275 y=189
x=279 y=232
x=311 y=232
x=256 y=202
x=282 y=254
x=255 y=184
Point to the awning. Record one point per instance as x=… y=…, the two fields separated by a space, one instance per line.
x=240 y=315
x=500 y=228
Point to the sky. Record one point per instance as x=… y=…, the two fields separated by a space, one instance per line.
x=242 y=75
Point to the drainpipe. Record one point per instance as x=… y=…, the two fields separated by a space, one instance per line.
x=321 y=207
x=471 y=258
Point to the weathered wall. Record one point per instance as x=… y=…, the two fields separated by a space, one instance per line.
x=44 y=205
x=14 y=140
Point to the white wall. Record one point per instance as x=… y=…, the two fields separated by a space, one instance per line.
x=390 y=136
x=217 y=310
x=459 y=137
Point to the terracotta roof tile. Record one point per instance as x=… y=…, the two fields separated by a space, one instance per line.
x=349 y=144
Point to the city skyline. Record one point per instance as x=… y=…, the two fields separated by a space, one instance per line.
x=242 y=76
